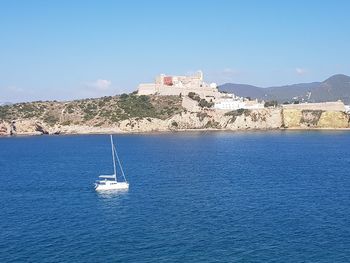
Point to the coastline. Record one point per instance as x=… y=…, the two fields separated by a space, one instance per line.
x=30 y=134
x=205 y=120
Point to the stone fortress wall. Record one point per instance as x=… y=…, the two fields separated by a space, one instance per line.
x=325 y=106
x=315 y=115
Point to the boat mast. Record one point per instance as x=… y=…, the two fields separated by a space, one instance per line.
x=115 y=170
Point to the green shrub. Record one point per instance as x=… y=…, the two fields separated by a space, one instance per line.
x=137 y=106
x=272 y=103
x=70 y=109
x=203 y=103
x=66 y=123
x=191 y=94
x=51 y=119
x=212 y=124
x=194 y=96
x=4 y=112
x=107 y=98
x=236 y=113
x=124 y=96
x=202 y=115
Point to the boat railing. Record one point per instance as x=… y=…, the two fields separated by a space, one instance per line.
x=107 y=176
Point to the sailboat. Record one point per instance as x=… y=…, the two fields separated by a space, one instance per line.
x=109 y=182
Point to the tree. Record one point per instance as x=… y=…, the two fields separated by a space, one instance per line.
x=194 y=96
x=204 y=103
x=191 y=94
x=272 y=103
x=124 y=96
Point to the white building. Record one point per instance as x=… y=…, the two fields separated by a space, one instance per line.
x=347 y=108
x=235 y=103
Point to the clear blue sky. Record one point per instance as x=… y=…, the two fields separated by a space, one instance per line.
x=73 y=49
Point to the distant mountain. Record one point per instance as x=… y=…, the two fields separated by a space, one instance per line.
x=243 y=90
x=334 y=88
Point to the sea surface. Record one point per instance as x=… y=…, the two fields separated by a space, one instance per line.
x=194 y=197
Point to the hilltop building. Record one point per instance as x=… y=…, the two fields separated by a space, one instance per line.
x=165 y=85
x=179 y=85
x=231 y=102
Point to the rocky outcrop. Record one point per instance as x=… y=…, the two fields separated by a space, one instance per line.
x=331 y=119
x=4 y=129
x=259 y=119
x=39 y=127
x=208 y=119
x=291 y=118
x=306 y=119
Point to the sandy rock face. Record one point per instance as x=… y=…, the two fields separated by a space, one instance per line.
x=143 y=125
x=259 y=119
x=256 y=119
x=331 y=119
x=190 y=104
x=189 y=120
x=83 y=129
x=306 y=119
x=236 y=120
x=28 y=127
x=4 y=129
x=291 y=118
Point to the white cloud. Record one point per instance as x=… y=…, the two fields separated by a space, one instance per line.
x=96 y=88
x=300 y=71
x=100 y=84
x=230 y=71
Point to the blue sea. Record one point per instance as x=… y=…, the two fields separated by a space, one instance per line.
x=194 y=197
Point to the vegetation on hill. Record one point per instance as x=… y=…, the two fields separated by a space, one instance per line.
x=235 y=113
x=96 y=112
x=203 y=103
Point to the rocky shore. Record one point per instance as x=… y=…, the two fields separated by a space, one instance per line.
x=145 y=114
x=262 y=119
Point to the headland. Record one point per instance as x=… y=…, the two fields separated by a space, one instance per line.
x=171 y=103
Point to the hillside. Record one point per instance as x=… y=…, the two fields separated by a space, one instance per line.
x=132 y=113
x=93 y=112
x=336 y=87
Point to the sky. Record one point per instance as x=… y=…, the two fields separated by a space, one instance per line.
x=62 y=50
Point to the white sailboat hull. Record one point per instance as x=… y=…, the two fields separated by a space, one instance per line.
x=109 y=182
x=111 y=185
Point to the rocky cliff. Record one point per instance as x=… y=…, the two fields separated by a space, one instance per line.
x=307 y=119
x=131 y=113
